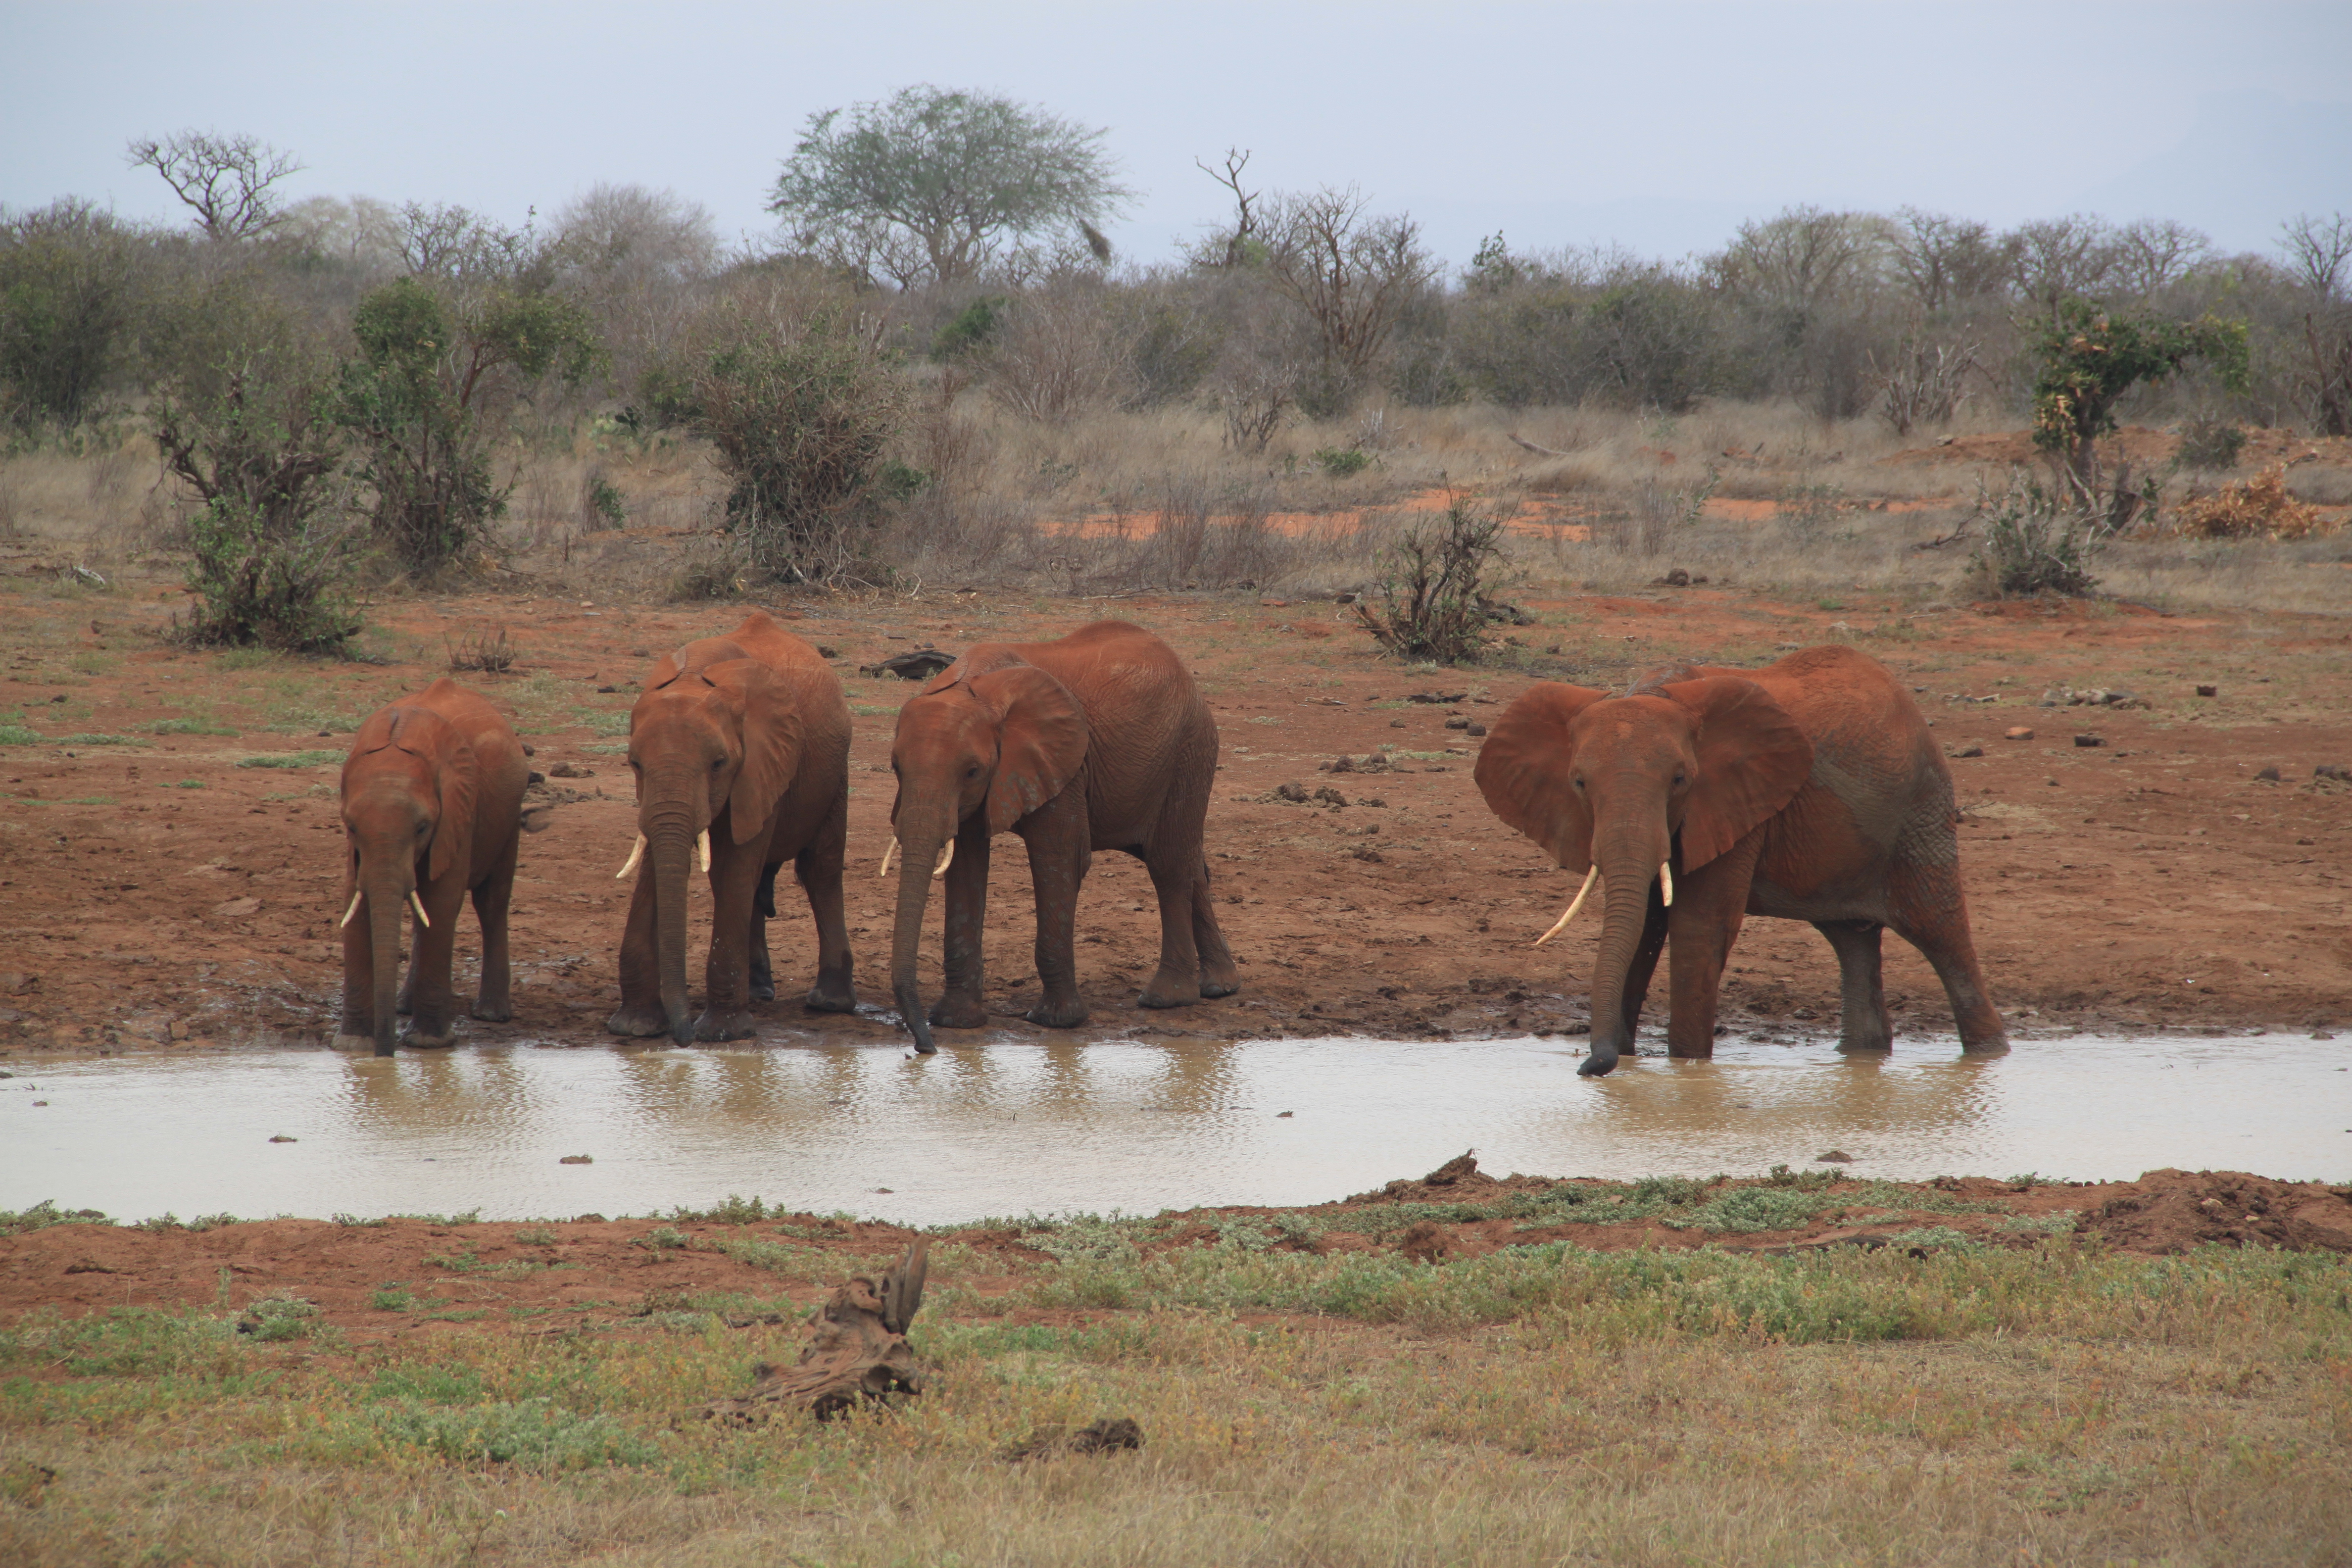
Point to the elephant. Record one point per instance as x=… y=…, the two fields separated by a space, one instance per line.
x=739 y=747
x=1094 y=741
x=432 y=808
x=1809 y=789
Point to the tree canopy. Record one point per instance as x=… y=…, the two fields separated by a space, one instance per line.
x=931 y=186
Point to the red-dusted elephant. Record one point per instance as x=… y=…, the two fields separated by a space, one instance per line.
x=1096 y=741
x=740 y=745
x=432 y=811
x=1809 y=789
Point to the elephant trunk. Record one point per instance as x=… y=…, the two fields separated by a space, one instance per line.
x=918 y=851
x=387 y=906
x=669 y=855
x=1629 y=865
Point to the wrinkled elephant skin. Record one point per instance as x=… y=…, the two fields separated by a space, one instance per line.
x=1810 y=789
x=1096 y=741
x=432 y=809
x=739 y=747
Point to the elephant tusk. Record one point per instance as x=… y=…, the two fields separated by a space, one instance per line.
x=636 y=853
x=353 y=910
x=947 y=859
x=702 y=843
x=1666 y=882
x=887 y=856
x=422 y=918
x=1589 y=877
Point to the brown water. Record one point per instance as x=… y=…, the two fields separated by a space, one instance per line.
x=1012 y=1126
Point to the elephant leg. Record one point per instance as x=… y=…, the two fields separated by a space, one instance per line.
x=964 y=918
x=1219 y=976
x=1862 y=1025
x=640 y=1014
x=1703 y=923
x=494 y=998
x=1174 y=877
x=819 y=868
x=432 y=1006
x=1929 y=912
x=764 y=910
x=355 y=1024
x=1643 y=964
x=1059 y=857
x=735 y=871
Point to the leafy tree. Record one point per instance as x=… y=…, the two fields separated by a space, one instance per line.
x=2089 y=358
x=225 y=180
x=439 y=370
x=931 y=186
x=68 y=297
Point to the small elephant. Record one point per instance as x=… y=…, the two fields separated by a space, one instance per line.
x=1808 y=790
x=432 y=811
x=740 y=745
x=1096 y=741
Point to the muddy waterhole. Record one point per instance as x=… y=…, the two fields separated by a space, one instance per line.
x=1014 y=1127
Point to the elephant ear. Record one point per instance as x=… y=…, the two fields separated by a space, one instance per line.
x=1041 y=739
x=1752 y=760
x=456 y=828
x=1523 y=771
x=980 y=659
x=771 y=742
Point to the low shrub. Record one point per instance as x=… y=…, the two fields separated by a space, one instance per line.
x=2034 y=542
x=2259 y=508
x=1432 y=587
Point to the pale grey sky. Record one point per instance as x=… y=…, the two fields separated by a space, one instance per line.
x=1659 y=125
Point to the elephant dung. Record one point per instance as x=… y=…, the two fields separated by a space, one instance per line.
x=859 y=1355
x=2018 y=733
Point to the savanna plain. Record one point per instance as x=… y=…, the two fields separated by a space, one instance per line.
x=1798 y=1367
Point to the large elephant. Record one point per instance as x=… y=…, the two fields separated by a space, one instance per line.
x=1808 y=790
x=432 y=811
x=741 y=748
x=1096 y=741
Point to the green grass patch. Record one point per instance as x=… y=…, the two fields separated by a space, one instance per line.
x=18 y=735
x=93 y=740
x=189 y=727
x=291 y=760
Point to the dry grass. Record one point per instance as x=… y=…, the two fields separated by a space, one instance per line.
x=1533 y=1406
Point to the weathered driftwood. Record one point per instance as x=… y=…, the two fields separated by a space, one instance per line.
x=860 y=1352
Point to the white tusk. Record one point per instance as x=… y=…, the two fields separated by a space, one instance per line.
x=947 y=859
x=1589 y=877
x=353 y=910
x=702 y=843
x=422 y=918
x=636 y=853
x=1666 y=882
x=887 y=856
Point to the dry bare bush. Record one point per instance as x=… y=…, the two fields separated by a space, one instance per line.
x=1923 y=382
x=1056 y=357
x=1352 y=273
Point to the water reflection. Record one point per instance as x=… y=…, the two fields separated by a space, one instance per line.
x=1013 y=1125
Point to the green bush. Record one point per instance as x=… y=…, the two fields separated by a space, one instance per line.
x=284 y=593
x=1339 y=462
x=69 y=299
x=533 y=1432
x=2034 y=542
x=2207 y=443
x=800 y=427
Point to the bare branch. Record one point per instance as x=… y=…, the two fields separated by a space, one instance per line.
x=225 y=180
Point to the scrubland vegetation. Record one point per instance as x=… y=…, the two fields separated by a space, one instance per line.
x=300 y=402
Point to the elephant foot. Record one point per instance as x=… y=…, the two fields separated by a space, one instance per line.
x=958 y=1013
x=1595 y=1067
x=1156 y=998
x=418 y=1039
x=1053 y=1015
x=1868 y=1045
x=492 y=1012
x=638 y=1023
x=1213 y=988
x=830 y=996
x=1996 y=1046
x=350 y=1042
x=764 y=990
x=714 y=1026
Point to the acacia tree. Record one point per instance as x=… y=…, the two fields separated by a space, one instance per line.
x=225 y=180
x=2319 y=250
x=931 y=186
x=1352 y=273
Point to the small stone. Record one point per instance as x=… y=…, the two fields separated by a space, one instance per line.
x=1280 y=1114
x=1834 y=1157
x=606 y=690
x=533 y=777
x=1970 y=752
x=577 y=1160
x=2017 y=733
x=2331 y=771
x=2089 y=741
x=570 y=771
x=1457 y=723
x=282 y=1137
x=2267 y=776
x=1294 y=793
x=824 y=652
x=882 y=1189
x=1477 y=729
x=2209 y=691
x=1396 y=724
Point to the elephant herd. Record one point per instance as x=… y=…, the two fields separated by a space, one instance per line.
x=1807 y=790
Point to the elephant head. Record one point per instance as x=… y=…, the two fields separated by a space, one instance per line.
x=1631 y=789
x=408 y=791
x=974 y=748
x=721 y=739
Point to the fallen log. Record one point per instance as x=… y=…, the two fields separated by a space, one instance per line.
x=859 y=1356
